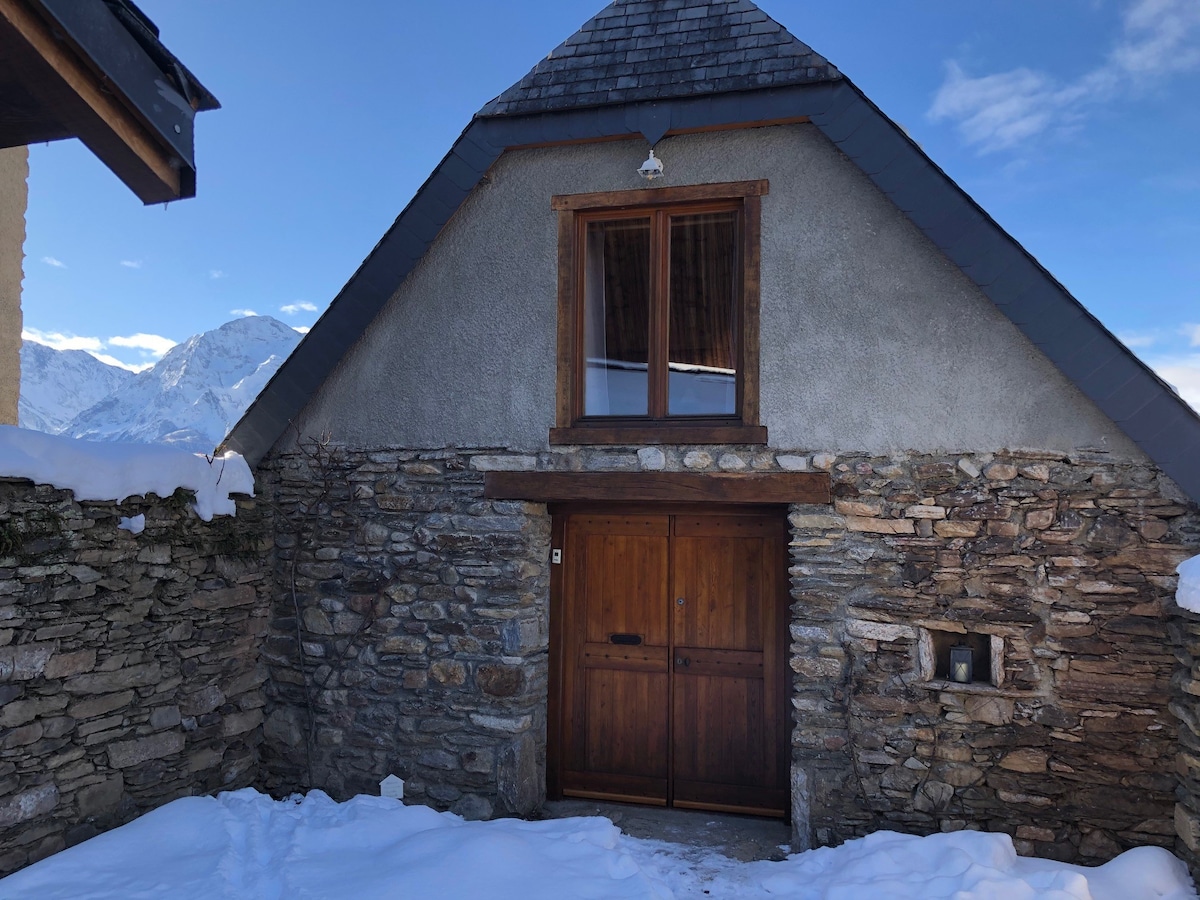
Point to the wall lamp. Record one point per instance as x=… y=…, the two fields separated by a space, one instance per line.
x=652 y=168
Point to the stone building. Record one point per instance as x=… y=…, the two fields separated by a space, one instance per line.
x=696 y=489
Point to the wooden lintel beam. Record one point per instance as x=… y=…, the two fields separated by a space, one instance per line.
x=86 y=107
x=659 y=487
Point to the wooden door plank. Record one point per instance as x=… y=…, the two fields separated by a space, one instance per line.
x=629 y=659
x=696 y=714
x=616 y=742
x=725 y=710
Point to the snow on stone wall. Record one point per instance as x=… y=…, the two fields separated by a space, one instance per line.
x=1187 y=595
x=129 y=663
x=114 y=471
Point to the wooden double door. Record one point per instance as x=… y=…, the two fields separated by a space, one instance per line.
x=671 y=659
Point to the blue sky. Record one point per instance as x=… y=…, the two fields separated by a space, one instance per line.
x=1075 y=123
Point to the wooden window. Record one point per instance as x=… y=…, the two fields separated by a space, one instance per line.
x=658 y=316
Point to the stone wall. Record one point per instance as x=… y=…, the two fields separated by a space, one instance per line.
x=1063 y=569
x=422 y=608
x=409 y=635
x=1185 y=704
x=129 y=671
x=401 y=626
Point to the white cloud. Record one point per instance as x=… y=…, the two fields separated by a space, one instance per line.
x=51 y=261
x=131 y=263
x=1182 y=373
x=303 y=329
x=1159 y=38
x=303 y=306
x=150 y=346
x=1135 y=340
x=132 y=367
x=242 y=312
x=215 y=273
x=156 y=345
x=61 y=341
x=1191 y=332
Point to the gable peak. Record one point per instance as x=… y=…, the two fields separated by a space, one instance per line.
x=638 y=50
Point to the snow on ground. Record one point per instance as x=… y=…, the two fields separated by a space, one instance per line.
x=1187 y=594
x=245 y=846
x=111 y=471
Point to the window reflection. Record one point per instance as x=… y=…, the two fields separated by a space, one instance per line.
x=616 y=331
x=702 y=360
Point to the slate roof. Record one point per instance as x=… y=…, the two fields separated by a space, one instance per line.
x=1145 y=407
x=658 y=49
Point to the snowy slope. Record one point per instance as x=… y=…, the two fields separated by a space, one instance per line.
x=194 y=394
x=57 y=385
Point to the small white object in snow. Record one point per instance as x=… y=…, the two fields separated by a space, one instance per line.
x=133 y=524
x=95 y=470
x=393 y=787
x=1187 y=595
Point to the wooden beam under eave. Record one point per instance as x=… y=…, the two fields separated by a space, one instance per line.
x=659 y=487
x=86 y=108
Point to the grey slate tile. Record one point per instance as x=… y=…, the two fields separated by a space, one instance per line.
x=718 y=47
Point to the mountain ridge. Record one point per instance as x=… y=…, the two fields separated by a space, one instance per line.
x=190 y=398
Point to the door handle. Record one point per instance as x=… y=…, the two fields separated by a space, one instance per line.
x=683 y=660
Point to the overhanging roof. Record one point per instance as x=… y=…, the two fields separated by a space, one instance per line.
x=96 y=70
x=1120 y=384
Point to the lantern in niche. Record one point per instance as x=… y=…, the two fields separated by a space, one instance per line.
x=962 y=664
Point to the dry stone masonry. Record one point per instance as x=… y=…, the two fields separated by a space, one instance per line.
x=1185 y=689
x=372 y=614
x=1063 y=569
x=129 y=672
x=423 y=617
x=410 y=636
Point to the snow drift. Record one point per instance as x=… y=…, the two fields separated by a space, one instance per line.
x=245 y=845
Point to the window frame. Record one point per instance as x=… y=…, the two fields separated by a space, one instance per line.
x=574 y=211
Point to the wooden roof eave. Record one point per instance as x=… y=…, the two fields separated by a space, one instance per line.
x=91 y=79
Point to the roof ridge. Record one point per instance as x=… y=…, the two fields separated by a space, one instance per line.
x=635 y=50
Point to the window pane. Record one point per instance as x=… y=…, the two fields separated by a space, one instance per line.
x=616 y=327
x=702 y=364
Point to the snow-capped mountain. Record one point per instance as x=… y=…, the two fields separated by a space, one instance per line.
x=57 y=385
x=194 y=394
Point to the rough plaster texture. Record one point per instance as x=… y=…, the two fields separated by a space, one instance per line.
x=871 y=339
x=14 y=171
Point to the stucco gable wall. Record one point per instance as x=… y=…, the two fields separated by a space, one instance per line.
x=871 y=340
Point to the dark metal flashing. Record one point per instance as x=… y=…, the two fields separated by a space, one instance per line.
x=119 y=58
x=145 y=32
x=1122 y=386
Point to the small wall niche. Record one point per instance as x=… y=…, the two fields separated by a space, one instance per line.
x=987 y=655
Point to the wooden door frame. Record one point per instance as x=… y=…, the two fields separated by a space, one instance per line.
x=559 y=513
